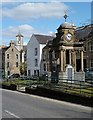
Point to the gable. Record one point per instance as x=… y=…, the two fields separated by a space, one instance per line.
x=10 y=49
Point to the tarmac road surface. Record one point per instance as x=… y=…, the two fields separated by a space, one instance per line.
x=21 y=105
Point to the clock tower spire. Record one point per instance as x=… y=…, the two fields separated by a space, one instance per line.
x=19 y=41
x=65 y=16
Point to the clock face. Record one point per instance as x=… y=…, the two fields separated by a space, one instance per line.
x=68 y=36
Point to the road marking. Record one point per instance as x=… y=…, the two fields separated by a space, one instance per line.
x=12 y=114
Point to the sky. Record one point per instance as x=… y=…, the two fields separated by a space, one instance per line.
x=42 y=17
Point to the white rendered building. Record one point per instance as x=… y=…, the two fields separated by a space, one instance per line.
x=34 y=53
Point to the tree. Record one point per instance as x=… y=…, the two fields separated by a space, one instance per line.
x=23 y=68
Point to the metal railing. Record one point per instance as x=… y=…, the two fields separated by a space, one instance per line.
x=84 y=88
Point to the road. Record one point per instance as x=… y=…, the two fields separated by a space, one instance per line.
x=21 y=105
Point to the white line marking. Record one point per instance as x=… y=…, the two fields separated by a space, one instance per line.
x=12 y=114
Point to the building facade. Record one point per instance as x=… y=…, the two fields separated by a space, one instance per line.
x=15 y=57
x=85 y=34
x=66 y=54
x=12 y=60
x=34 y=53
x=2 y=60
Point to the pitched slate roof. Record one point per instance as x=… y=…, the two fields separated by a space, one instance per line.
x=84 y=32
x=43 y=39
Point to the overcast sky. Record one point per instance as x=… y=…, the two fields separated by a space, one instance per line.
x=39 y=17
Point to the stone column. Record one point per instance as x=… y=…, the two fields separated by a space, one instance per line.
x=75 y=60
x=62 y=63
x=64 y=59
x=70 y=57
x=82 y=64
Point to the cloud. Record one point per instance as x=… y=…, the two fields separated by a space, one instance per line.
x=27 y=11
x=7 y=0
x=11 y=32
x=31 y=0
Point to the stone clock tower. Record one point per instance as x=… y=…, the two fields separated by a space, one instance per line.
x=19 y=41
x=65 y=48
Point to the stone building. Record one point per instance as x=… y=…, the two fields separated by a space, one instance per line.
x=12 y=60
x=64 y=53
x=2 y=60
x=85 y=34
x=15 y=56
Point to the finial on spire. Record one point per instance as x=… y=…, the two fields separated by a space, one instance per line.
x=65 y=16
x=19 y=32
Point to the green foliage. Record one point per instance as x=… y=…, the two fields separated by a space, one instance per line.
x=23 y=68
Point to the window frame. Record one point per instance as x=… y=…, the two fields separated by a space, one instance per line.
x=17 y=64
x=7 y=64
x=91 y=46
x=36 y=62
x=7 y=56
x=36 y=51
x=16 y=56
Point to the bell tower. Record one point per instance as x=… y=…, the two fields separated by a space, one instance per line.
x=19 y=41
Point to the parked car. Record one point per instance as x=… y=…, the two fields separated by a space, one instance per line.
x=15 y=75
x=89 y=73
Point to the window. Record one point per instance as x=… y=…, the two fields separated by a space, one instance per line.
x=7 y=56
x=90 y=46
x=29 y=73
x=53 y=54
x=34 y=72
x=8 y=72
x=91 y=63
x=44 y=67
x=85 y=48
x=36 y=62
x=7 y=64
x=16 y=56
x=36 y=51
x=16 y=64
x=48 y=56
x=44 y=55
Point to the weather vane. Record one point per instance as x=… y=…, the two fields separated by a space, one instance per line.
x=65 y=16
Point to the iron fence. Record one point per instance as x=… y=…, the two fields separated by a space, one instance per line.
x=84 y=88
